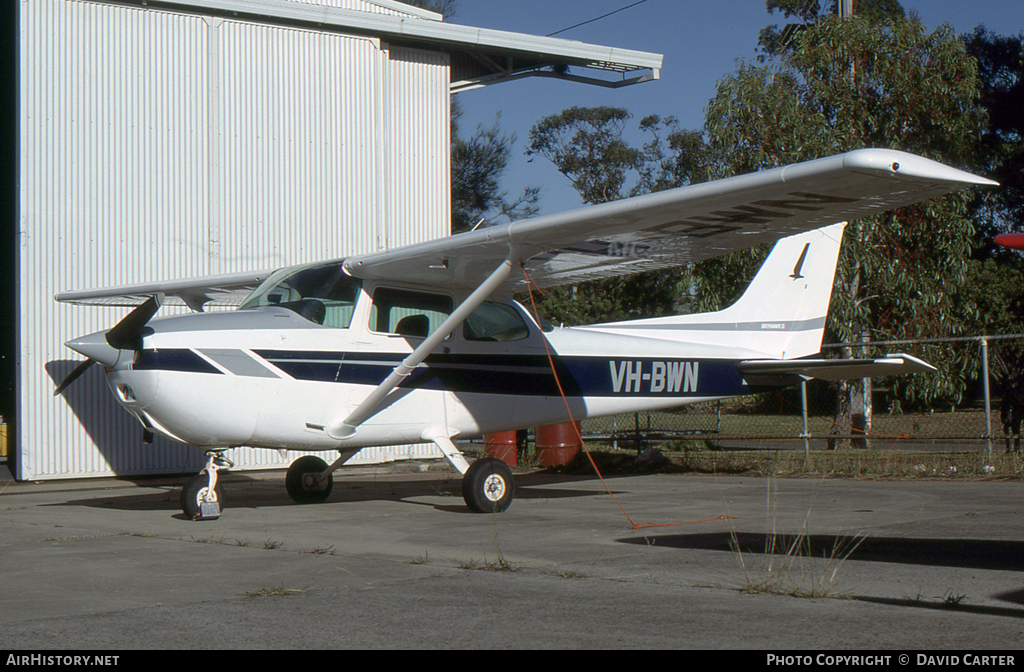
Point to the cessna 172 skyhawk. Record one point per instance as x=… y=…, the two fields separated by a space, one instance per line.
x=405 y=346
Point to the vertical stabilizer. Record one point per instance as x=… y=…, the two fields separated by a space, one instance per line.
x=782 y=313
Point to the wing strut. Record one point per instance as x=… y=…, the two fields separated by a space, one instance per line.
x=344 y=429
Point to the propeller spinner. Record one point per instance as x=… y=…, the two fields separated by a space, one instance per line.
x=108 y=347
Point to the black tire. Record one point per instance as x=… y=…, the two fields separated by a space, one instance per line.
x=194 y=494
x=488 y=486
x=301 y=487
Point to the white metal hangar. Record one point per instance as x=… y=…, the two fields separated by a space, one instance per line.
x=160 y=139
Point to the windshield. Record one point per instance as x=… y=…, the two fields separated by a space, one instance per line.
x=322 y=294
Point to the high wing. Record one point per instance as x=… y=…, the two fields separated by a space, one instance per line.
x=673 y=227
x=649 y=232
x=218 y=290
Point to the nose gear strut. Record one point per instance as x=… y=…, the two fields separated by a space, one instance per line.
x=202 y=496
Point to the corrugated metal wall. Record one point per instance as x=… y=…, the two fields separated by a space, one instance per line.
x=410 y=114
x=157 y=145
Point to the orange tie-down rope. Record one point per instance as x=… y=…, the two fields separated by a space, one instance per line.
x=579 y=434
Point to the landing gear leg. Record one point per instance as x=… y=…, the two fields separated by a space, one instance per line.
x=202 y=496
x=310 y=480
x=487 y=485
x=306 y=482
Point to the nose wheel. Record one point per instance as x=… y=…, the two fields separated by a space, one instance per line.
x=202 y=496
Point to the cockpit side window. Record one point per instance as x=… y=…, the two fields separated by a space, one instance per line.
x=407 y=313
x=494 y=322
x=322 y=294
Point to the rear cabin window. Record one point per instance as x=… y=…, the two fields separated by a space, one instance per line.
x=413 y=314
x=494 y=322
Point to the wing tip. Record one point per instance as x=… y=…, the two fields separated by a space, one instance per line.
x=903 y=164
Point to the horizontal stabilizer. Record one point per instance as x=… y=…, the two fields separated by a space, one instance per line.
x=837 y=369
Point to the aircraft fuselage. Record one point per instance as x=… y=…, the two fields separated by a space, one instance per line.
x=268 y=377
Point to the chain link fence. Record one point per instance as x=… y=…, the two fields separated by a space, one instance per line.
x=814 y=415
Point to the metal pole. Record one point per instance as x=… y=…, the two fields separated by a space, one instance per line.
x=988 y=402
x=718 y=424
x=803 y=409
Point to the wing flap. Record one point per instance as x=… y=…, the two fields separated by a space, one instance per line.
x=837 y=369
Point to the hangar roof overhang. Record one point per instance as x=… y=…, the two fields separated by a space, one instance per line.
x=479 y=56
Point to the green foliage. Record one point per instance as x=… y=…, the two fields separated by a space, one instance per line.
x=843 y=85
x=587 y=146
x=994 y=297
x=478 y=162
x=1001 y=72
x=774 y=41
x=636 y=297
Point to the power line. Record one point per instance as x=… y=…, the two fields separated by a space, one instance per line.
x=603 y=16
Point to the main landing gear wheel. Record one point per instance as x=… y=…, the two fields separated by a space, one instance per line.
x=196 y=501
x=488 y=486
x=305 y=482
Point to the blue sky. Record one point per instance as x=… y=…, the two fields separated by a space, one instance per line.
x=702 y=40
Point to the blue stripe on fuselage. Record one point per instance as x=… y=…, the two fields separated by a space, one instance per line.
x=528 y=375
x=173 y=360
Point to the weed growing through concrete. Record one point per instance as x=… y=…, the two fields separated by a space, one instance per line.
x=951 y=599
x=276 y=591
x=565 y=573
x=499 y=565
x=322 y=551
x=792 y=567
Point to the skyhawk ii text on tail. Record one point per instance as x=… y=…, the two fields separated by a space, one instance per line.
x=403 y=346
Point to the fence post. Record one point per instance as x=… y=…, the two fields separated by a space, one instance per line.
x=803 y=409
x=988 y=402
x=718 y=425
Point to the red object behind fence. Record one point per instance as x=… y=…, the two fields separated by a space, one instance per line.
x=558 y=445
x=502 y=445
x=1014 y=240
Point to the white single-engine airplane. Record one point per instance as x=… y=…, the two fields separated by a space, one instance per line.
x=424 y=343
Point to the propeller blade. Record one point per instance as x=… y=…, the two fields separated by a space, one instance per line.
x=73 y=376
x=125 y=334
x=105 y=347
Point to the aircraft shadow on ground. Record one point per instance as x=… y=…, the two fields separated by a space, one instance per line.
x=242 y=491
x=953 y=604
x=986 y=554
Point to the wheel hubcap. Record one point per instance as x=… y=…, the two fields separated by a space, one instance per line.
x=494 y=487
